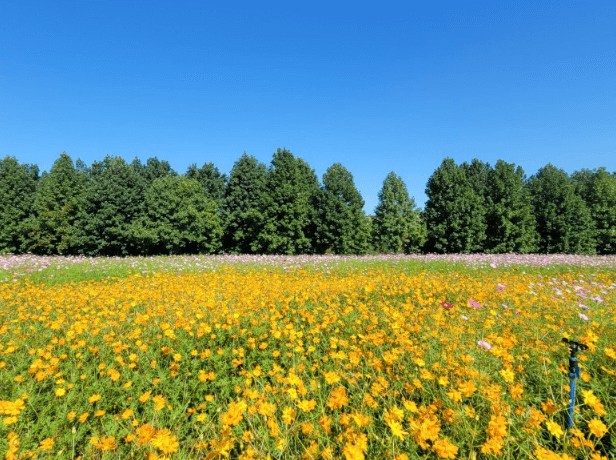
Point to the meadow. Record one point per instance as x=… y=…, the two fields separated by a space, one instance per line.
x=306 y=357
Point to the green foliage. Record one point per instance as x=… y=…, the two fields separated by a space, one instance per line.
x=564 y=222
x=598 y=190
x=287 y=206
x=179 y=218
x=153 y=169
x=509 y=216
x=309 y=183
x=342 y=225
x=17 y=188
x=455 y=213
x=397 y=226
x=213 y=182
x=49 y=230
x=241 y=212
x=113 y=200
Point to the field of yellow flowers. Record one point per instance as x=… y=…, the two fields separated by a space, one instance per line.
x=382 y=361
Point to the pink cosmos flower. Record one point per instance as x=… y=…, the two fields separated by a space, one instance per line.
x=583 y=316
x=484 y=344
x=474 y=304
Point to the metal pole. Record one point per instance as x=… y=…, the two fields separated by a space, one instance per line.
x=574 y=373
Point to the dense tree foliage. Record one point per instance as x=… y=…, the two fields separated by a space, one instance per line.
x=113 y=208
x=114 y=198
x=564 y=223
x=213 y=182
x=342 y=224
x=242 y=216
x=17 y=187
x=598 y=190
x=178 y=218
x=49 y=229
x=510 y=223
x=397 y=226
x=287 y=206
x=455 y=213
x=153 y=169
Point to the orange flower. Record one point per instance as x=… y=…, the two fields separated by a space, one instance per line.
x=337 y=398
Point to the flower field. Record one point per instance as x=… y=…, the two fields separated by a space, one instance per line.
x=394 y=359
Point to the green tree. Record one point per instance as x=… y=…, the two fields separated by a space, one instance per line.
x=397 y=226
x=210 y=178
x=564 y=223
x=598 y=190
x=342 y=225
x=241 y=213
x=58 y=193
x=309 y=182
x=17 y=188
x=179 y=218
x=509 y=216
x=454 y=213
x=287 y=206
x=153 y=169
x=113 y=200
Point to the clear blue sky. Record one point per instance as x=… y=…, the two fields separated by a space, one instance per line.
x=376 y=87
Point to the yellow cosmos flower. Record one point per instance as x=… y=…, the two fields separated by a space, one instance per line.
x=597 y=427
x=554 y=428
x=47 y=444
x=307 y=405
x=332 y=377
x=288 y=415
x=467 y=388
x=165 y=442
x=337 y=398
x=396 y=429
x=353 y=452
x=508 y=375
x=445 y=449
x=94 y=398
x=410 y=406
x=454 y=395
x=60 y=392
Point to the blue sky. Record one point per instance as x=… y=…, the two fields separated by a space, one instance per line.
x=377 y=87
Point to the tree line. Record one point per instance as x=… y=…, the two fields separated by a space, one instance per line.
x=115 y=208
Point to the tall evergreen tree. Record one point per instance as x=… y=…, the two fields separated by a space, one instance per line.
x=397 y=226
x=17 y=187
x=454 y=213
x=342 y=224
x=58 y=193
x=286 y=206
x=242 y=216
x=511 y=225
x=564 y=222
x=179 y=218
x=598 y=190
x=113 y=200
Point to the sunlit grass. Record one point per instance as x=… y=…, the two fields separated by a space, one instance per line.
x=304 y=360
